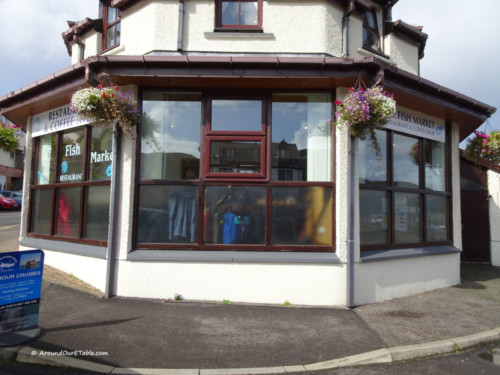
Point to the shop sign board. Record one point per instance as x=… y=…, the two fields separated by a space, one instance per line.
x=418 y=124
x=55 y=120
x=20 y=290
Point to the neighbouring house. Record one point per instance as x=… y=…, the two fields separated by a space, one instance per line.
x=12 y=163
x=237 y=186
x=480 y=199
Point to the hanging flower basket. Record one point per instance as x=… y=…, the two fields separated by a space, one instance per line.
x=105 y=105
x=9 y=140
x=484 y=147
x=364 y=111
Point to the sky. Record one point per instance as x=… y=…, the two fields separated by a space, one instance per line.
x=462 y=52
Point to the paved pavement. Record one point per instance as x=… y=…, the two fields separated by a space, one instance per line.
x=138 y=336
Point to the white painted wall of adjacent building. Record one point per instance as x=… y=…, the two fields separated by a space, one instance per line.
x=494 y=210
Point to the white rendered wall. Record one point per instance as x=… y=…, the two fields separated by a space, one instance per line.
x=380 y=281
x=402 y=53
x=494 y=209
x=308 y=284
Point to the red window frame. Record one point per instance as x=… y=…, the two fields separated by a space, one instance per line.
x=104 y=9
x=218 y=16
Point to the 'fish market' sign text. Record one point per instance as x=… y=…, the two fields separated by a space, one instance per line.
x=419 y=124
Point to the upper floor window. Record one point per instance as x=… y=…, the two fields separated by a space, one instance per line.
x=371 y=38
x=111 y=30
x=240 y=14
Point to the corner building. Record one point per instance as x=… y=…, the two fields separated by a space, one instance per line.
x=237 y=186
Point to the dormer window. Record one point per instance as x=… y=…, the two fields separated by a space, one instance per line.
x=111 y=30
x=240 y=14
x=371 y=38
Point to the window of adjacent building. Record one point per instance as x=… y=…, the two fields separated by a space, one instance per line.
x=71 y=185
x=247 y=189
x=111 y=31
x=371 y=36
x=404 y=197
x=239 y=14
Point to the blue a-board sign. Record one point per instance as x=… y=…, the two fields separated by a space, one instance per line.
x=20 y=289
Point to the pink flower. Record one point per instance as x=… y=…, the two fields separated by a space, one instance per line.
x=99 y=86
x=116 y=88
x=103 y=94
x=338 y=102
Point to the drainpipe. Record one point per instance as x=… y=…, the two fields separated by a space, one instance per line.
x=180 y=30
x=345 y=29
x=113 y=210
x=350 y=221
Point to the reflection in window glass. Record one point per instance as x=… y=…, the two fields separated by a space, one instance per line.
x=237 y=115
x=371 y=169
x=45 y=160
x=67 y=211
x=167 y=214
x=101 y=154
x=40 y=211
x=437 y=218
x=96 y=213
x=232 y=14
x=301 y=216
x=171 y=136
x=71 y=154
x=301 y=137
x=407 y=218
x=235 y=157
x=374 y=217
x=370 y=34
x=406 y=166
x=434 y=165
x=234 y=215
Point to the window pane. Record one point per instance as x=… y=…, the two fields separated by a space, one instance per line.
x=45 y=160
x=230 y=13
x=234 y=215
x=371 y=169
x=237 y=115
x=171 y=136
x=301 y=216
x=118 y=33
x=407 y=214
x=72 y=156
x=101 y=154
x=434 y=165
x=437 y=218
x=249 y=13
x=406 y=167
x=96 y=213
x=40 y=211
x=301 y=137
x=111 y=15
x=67 y=211
x=374 y=217
x=110 y=36
x=167 y=214
x=235 y=157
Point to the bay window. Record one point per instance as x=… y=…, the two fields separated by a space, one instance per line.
x=261 y=175
x=404 y=195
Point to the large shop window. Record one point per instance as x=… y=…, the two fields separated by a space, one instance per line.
x=404 y=195
x=238 y=14
x=70 y=185
x=235 y=173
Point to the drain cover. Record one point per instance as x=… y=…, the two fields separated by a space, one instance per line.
x=492 y=356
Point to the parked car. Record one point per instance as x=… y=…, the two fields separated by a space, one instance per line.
x=8 y=203
x=16 y=195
